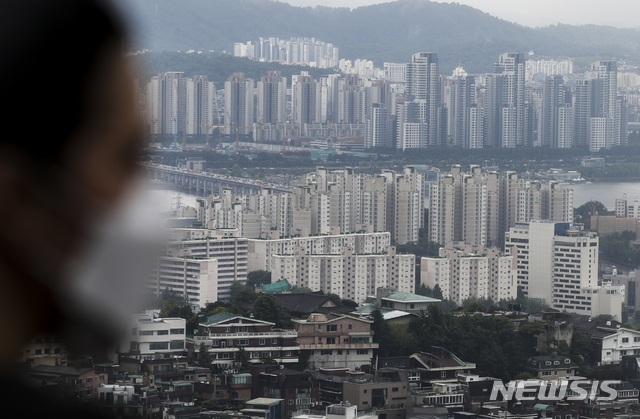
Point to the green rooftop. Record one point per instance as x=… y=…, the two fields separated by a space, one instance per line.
x=217 y=318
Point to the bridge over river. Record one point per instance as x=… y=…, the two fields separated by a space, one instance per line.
x=205 y=183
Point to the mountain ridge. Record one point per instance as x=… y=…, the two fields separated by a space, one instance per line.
x=382 y=32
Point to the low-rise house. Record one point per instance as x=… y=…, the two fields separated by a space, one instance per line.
x=265 y=408
x=439 y=365
x=226 y=334
x=151 y=336
x=552 y=367
x=336 y=340
x=386 y=393
x=177 y=391
x=85 y=381
x=342 y=410
x=44 y=350
x=226 y=388
x=613 y=340
x=153 y=366
x=299 y=390
x=389 y=299
x=119 y=400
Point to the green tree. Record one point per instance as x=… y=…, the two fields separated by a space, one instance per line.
x=204 y=358
x=256 y=279
x=242 y=357
x=245 y=295
x=583 y=348
x=381 y=334
x=584 y=211
x=267 y=308
x=235 y=288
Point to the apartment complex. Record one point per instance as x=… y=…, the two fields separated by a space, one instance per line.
x=478 y=207
x=261 y=250
x=464 y=271
x=349 y=275
x=325 y=202
x=195 y=280
x=194 y=247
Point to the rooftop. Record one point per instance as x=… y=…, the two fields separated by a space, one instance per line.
x=407 y=297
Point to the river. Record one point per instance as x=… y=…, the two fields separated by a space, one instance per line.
x=605 y=192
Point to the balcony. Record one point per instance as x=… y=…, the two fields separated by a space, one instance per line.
x=340 y=346
x=229 y=335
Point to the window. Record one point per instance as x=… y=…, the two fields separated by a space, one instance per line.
x=38 y=351
x=394 y=389
x=363 y=351
x=274 y=341
x=89 y=380
x=625 y=340
x=177 y=344
x=146 y=333
x=331 y=341
x=156 y=346
x=443 y=374
x=101 y=378
x=261 y=341
x=214 y=342
x=288 y=353
x=177 y=331
x=332 y=328
x=225 y=356
x=350 y=327
x=163 y=332
x=325 y=352
x=243 y=342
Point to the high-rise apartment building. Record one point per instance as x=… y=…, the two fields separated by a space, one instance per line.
x=239 y=104
x=307 y=105
x=198 y=245
x=201 y=96
x=556 y=116
x=465 y=271
x=505 y=104
x=607 y=123
x=351 y=276
x=261 y=250
x=272 y=98
x=166 y=99
x=464 y=117
x=479 y=207
x=422 y=86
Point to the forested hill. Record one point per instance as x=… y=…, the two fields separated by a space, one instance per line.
x=383 y=32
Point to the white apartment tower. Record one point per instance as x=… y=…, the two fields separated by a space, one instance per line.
x=464 y=271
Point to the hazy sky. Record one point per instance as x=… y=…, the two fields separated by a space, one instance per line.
x=621 y=13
